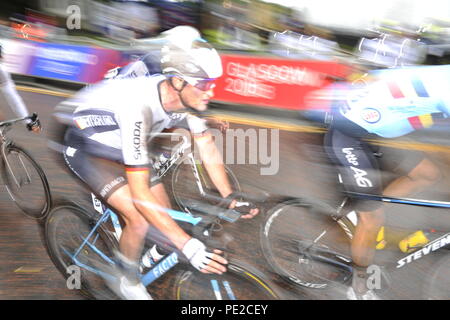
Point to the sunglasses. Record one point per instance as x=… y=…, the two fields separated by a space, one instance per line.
x=201 y=84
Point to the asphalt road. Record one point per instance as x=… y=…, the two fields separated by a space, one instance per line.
x=26 y=272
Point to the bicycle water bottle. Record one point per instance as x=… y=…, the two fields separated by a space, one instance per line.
x=151 y=257
x=163 y=157
x=415 y=240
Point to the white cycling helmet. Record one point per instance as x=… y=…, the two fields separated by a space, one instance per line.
x=197 y=61
x=181 y=33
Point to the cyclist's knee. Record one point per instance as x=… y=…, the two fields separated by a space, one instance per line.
x=372 y=219
x=137 y=223
x=426 y=173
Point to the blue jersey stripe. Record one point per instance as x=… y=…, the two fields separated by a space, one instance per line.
x=419 y=87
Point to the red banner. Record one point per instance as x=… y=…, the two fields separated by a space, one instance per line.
x=273 y=82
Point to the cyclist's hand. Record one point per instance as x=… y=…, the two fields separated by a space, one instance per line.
x=215 y=123
x=34 y=126
x=202 y=260
x=247 y=208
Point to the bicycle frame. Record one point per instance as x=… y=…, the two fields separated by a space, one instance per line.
x=179 y=151
x=5 y=126
x=157 y=271
x=432 y=246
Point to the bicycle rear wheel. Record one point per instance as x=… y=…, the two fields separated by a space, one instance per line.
x=438 y=285
x=65 y=230
x=240 y=282
x=25 y=182
x=305 y=247
x=185 y=184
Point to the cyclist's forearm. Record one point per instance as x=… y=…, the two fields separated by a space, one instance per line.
x=152 y=210
x=148 y=207
x=212 y=159
x=15 y=102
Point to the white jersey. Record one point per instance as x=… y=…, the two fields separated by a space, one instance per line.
x=9 y=91
x=120 y=114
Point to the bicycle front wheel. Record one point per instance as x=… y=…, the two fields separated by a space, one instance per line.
x=25 y=182
x=240 y=282
x=84 y=267
x=187 y=181
x=305 y=247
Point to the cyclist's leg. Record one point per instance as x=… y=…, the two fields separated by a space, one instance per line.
x=135 y=229
x=136 y=226
x=416 y=171
x=160 y=193
x=107 y=179
x=359 y=172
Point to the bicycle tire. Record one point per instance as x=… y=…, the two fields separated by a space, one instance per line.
x=287 y=239
x=65 y=228
x=184 y=184
x=34 y=200
x=240 y=282
x=438 y=285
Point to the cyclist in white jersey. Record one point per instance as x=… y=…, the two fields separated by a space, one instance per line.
x=391 y=103
x=13 y=99
x=107 y=149
x=150 y=63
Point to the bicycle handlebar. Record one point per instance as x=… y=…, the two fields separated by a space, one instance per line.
x=229 y=215
x=225 y=202
x=32 y=117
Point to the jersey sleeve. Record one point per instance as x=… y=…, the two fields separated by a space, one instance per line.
x=9 y=91
x=133 y=70
x=195 y=124
x=134 y=128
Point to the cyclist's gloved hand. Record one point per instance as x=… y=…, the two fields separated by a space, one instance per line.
x=247 y=208
x=34 y=126
x=201 y=259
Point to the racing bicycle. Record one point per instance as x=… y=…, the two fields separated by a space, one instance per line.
x=24 y=179
x=88 y=239
x=308 y=243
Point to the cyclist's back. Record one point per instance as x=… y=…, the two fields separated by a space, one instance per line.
x=112 y=112
x=397 y=101
x=393 y=103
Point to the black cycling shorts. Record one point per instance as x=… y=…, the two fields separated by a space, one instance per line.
x=97 y=165
x=360 y=170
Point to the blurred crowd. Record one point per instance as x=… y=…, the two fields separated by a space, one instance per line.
x=243 y=25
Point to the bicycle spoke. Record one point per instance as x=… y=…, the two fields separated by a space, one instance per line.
x=67 y=229
x=302 y=246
